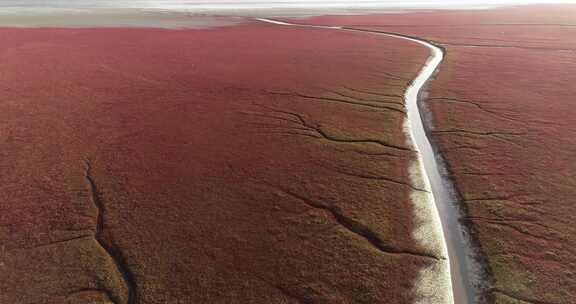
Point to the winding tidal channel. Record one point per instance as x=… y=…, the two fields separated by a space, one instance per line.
x=432 y=170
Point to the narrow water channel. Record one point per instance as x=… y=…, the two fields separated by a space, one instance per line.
x=457 y=245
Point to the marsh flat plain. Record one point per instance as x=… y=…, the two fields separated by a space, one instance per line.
x=243 y=162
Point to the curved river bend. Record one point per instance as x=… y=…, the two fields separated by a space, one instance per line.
x=460 y=287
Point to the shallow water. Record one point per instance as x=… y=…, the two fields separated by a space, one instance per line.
x=457 y=244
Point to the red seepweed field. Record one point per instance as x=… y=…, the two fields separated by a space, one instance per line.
x=503 y=118
x=242 y=164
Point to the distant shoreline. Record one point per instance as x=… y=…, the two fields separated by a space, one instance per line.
x=147 y=17
x=121 y=18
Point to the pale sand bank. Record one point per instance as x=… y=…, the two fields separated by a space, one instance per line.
x=113 y=18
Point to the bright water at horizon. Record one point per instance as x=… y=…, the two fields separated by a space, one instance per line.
x=13 y=6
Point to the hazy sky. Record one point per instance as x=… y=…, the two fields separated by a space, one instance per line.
x=235 y=4
x=341 y=3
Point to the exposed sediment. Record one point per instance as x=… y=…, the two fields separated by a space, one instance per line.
x=106 y=240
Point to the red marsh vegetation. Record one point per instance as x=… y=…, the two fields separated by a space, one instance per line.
x=243 y=164
x=504 y=119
